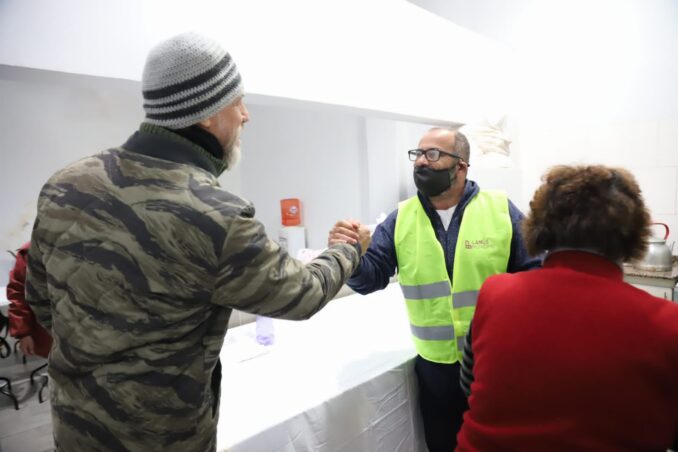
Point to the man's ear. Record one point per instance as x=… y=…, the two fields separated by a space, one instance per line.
x=206 y=123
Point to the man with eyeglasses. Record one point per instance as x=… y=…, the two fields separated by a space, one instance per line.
x=445 y=242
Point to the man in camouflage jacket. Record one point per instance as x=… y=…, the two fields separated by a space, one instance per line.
x=138 y=258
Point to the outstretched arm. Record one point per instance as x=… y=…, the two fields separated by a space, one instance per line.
x=257 y=276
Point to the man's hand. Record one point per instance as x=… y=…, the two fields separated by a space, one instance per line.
x=352 y=232
x=344 y=231
x=27 y=346
x=365 y=238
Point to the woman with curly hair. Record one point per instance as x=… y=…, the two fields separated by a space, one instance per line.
x=570 y=357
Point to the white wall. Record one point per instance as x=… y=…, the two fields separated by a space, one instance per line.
x=49 y=120
x=600 y=88
x=340 y=165
x=648 y=148
x=574 y=59
x=317 y=157
x=602 y=61
x=595 y=82
x=389 y=170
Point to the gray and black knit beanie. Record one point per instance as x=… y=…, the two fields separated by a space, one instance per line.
x=186 y=79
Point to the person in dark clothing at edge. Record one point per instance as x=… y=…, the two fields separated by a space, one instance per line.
x=444 y=242
x=138 y=258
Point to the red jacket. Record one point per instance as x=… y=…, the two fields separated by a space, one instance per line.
x=569 y=358
x=22 y=321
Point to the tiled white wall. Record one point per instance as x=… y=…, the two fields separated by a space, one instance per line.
x=649 y=149
x=667 y=144
x=507 y=179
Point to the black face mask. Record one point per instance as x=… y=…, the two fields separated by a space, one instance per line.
x=432 y=182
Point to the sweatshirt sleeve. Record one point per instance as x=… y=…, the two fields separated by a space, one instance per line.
x=519 y=259
x=466 y=371
x=379 y=263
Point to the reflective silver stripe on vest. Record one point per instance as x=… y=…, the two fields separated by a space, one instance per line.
x=465 y=299
x=426 y=291
x=433 y=333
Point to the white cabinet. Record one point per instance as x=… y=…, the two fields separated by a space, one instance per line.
x=657 y=291
x=659 y=287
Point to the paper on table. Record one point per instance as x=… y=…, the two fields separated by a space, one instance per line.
x=244 y=347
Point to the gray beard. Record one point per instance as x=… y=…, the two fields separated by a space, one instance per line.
x=233 y=158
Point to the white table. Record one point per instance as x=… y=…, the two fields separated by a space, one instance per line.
x=341 y=381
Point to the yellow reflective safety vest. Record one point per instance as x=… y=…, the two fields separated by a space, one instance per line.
x=440 y=311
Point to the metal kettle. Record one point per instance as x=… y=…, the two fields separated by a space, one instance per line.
x=658 y=257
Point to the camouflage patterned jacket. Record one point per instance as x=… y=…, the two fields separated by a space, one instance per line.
x=137 y=259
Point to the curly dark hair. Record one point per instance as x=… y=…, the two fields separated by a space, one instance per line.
x=593 y=207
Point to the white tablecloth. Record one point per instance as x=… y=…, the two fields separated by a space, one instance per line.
x=4 y=303
x=341 y=381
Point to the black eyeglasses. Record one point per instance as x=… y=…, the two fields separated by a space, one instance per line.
x=432 y=155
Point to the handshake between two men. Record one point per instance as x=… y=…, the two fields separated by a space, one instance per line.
x=352 y=232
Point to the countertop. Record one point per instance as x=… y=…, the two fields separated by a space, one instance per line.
x=630 y=270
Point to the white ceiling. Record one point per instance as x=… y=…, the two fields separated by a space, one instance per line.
x=604 y=58
x=492 y=18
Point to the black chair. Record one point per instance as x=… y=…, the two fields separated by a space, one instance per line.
x=16 y=351
x=6 y=390
x=5 y=351
x=43 y=379
x=34 y=374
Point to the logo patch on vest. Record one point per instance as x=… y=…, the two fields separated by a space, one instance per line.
x=475 y=244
